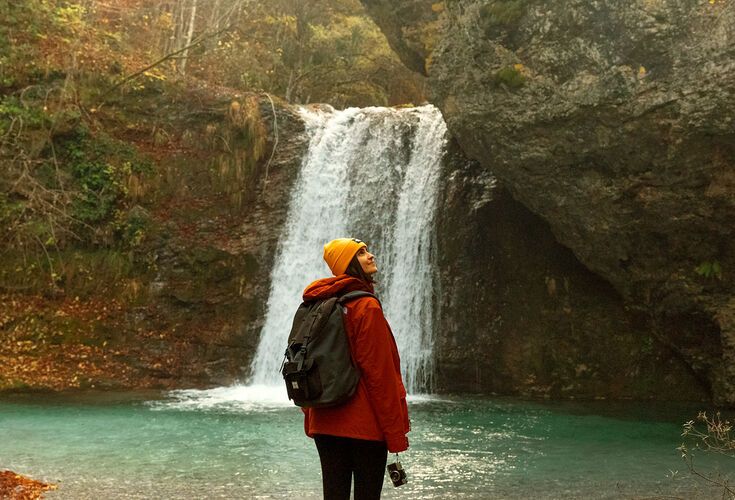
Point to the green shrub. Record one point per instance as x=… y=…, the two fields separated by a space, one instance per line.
x=132 y=226
x=13 y=114
x=10 y=209
x=709 y=269
x=22 y=25
x=99 y=166
x=62 y=180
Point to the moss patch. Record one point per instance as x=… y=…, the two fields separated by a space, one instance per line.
x=501 y=14
x=509 y=76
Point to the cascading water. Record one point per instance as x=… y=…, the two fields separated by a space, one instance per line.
x=370 y=173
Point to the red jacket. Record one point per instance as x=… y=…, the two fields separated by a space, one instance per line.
x=378 y=410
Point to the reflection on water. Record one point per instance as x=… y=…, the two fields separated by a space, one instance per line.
x=247 y=442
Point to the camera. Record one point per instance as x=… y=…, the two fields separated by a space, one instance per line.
x=397 y=474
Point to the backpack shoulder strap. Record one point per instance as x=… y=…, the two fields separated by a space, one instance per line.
x=310 y=318
x=356 y=295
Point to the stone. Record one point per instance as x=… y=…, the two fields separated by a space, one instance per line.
x=613 y=122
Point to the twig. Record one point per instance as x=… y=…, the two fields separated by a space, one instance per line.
x=722 y=484
x=168 y=56
x=204 y=36
x=48 y=257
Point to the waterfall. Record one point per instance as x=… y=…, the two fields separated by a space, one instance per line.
x=373 y=174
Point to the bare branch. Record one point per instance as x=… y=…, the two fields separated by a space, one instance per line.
x=128 y=78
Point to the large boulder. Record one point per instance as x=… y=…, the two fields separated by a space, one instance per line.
x=614 y=122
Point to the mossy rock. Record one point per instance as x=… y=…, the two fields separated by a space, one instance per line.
x=502 y=15
x=510 y=77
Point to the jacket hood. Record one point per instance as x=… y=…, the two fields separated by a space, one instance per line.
x=335 y=286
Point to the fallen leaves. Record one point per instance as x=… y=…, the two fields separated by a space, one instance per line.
x=100 y=343
x=55 y=344
x=17 y=487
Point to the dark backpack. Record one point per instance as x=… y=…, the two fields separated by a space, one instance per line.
x=318 y=367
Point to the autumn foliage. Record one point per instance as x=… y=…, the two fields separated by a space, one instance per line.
x=100 y=104
x=17 y=487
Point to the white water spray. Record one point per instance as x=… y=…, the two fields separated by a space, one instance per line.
x=370 y=173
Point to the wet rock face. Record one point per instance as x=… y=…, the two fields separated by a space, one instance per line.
x=214 y=259
x=407 y=25
x=520 y=315
x=615 y=123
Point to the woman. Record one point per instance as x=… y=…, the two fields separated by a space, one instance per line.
x=354 y=438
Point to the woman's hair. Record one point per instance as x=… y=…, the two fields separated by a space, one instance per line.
x=355 y=269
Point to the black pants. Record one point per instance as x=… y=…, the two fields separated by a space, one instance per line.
x=342 y=457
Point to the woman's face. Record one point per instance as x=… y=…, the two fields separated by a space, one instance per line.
x=367 y=261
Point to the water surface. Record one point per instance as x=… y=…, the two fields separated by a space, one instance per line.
x=240 y=443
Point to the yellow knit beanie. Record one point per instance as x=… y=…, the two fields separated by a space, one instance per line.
x=338 y=253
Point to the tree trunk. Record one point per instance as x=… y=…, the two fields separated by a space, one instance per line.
x=189 y=35
x=214 y=17
x=178 y=18
x=289 y=88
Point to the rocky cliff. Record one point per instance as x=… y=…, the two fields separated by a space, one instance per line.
x=216 y=241
x=183 y=306
x=519 y=314
x=613 y=122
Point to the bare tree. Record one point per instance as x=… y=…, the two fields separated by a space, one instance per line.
x=189 y=35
